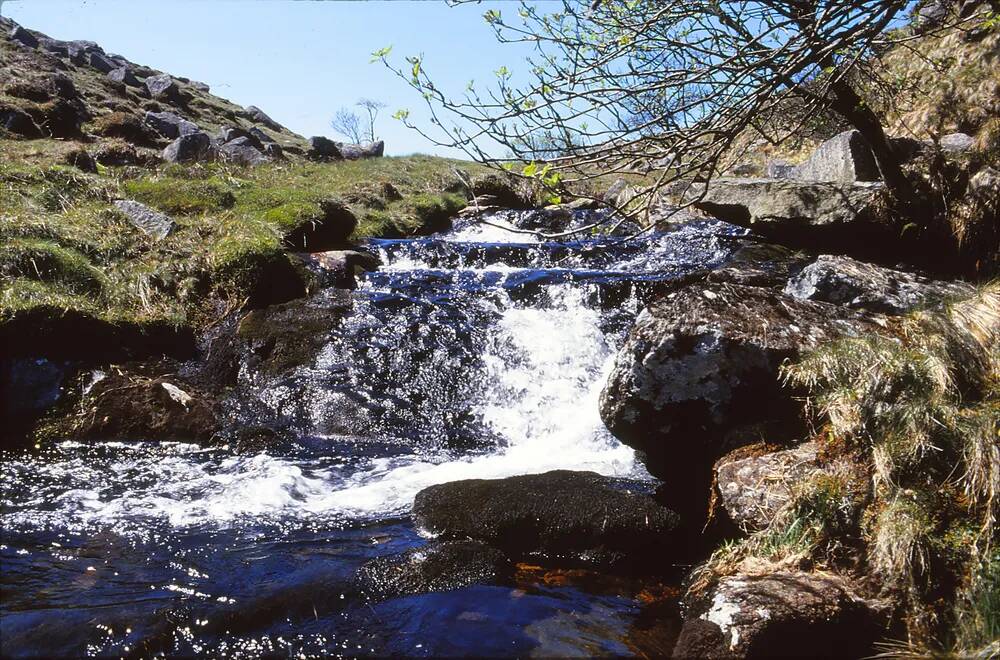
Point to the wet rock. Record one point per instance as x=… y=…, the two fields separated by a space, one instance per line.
x=127 y=406
x=753 y=486
x=698 y=377
x=28 y=387
x=780 y=614
x=559 y=513
x=359 y=151
x=760 y=265
x=844 y=281
x=436 y=567
x=241 y=152
x=125 y=76
x=844 y=158
x=151 y=222
x=23 y=37
x=255 y=114
x=169 y=125
x=339 y=268
x=832 y=217
x=188 y=148
x=162 y=87
x=323 y=149
x=956 y=143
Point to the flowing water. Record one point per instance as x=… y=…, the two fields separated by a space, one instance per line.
x=474 y=354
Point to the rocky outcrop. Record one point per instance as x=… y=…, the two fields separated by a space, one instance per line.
x=188 y=148
x=561 y=513
x=170 y=125
x=436 y=567
x=241 y=151
x=781 y=613
x=359 y=151
x=844 y=158
x=698 y=377
x=162 y=87
x=753 y=485
x=151 y=222
x=23 y=37
x=844 y=281
x=253 y=113
x=124 y=76
x=323 y=149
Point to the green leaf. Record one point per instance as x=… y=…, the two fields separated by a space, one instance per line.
x=381 y=53
x=530 y=169
x=401 y=114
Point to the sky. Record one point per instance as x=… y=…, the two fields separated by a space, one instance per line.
x=299 y=61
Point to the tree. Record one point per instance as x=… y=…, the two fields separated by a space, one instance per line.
x=355 y=128
x=671 y=81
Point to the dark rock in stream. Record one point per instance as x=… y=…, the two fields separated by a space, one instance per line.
x=780 y=613
x=699 y=376
x=436 y=567
x=562 y=513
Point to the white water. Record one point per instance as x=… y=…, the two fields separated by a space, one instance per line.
x=545 y=367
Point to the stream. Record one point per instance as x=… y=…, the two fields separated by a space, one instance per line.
x=477 y=353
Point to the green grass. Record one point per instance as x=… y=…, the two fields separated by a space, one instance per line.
x=181 y=197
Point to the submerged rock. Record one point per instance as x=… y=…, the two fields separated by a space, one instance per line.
x=339 y=268
x=780 y=614
x=436 y=567
x=698 y=377
x=560 y=513
x=844 y=281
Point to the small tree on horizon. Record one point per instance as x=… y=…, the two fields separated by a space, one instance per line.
x=355 y=127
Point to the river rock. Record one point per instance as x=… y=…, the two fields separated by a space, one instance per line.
x=323 y=149
x=330 y=231
x=169 y=125
x=28 y=387
x=153 y=223
x=339 y=268
x=134 y=406
x=753 y=486
x=162 y=87
x=125 y=76
x=844 y=158
x=23 y=37
x=698 y=376
x=436 y=567
x=188 y=148
x=822 y=215
x=845 y=281
x=780 y=614
x=558 y=513
x=956 y=143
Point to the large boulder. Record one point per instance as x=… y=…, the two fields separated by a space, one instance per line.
x=844 y=281
x=436 y=567
x=162 y=87
x=241 y=152
x=323 y=149
x=833 y=217
x=170 y=125
x=151 y=222
x=780 y=613
x=124 y=75
x=358 y=151
x=23 y=37
x=582 y=515
x=188 y=148
x=844 y=158
x=753 y=483
x=698 y=376
x=101 y=62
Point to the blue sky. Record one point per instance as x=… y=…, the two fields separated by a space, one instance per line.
x=297 y=60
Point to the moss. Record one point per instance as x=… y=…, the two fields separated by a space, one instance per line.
x=181 y=197
x=122 y=125
x=47 y=261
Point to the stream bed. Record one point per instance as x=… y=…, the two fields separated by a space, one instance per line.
x=478 y=353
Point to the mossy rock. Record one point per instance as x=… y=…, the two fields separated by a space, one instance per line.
x=47 y=261
x=181 y=197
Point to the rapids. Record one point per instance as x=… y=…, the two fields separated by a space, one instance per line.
x=478 y=353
